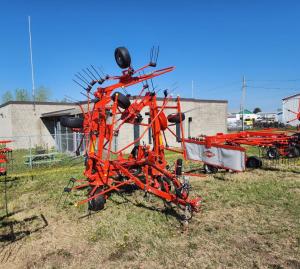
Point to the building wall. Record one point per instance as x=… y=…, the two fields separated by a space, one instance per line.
x=208 y=118
x=290 y=104
x=5 y=122
x=25 y=123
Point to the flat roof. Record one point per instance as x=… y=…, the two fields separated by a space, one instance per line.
x=72 y=110
x=266 y=112
x=292 y=96
x=131 y=97
x=37 y=103
x=63 y=112
x=183 y=99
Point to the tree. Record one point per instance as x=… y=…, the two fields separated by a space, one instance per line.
x=256 y=110
x=42 y=94
x=22 y=95
x=7 y=96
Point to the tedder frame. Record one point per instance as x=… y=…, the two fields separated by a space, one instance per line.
x=107 y=115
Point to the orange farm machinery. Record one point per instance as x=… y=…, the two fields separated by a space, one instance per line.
x=5 y=156
x=109 y=112
x=228 y=151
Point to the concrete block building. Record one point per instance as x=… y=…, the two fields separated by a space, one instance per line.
x=290 y=106
x=23 y=122
x=38 y=124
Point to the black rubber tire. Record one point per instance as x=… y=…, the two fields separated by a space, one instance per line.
x=71 y=122
x=175 y=118
x=272 y=153
x=97 y=203
x=298 y=150
x=210 y=169
x=178 y=171
x=293 y=152
x=253 y=162
x=296 y=136
x=122 y=57
x=123 y=100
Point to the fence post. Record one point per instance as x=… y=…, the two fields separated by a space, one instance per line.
x=30 y=153
x=67 y=138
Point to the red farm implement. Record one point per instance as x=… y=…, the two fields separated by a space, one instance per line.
x=5 y=156
x=227 y=151
x=108 y=170
x=277 y=143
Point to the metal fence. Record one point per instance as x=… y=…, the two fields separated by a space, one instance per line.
x=29 y=151
x=64 y=143
x=237 y=125
x=35 y=150
x=281 y=163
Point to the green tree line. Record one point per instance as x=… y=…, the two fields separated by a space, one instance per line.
x=42 y=94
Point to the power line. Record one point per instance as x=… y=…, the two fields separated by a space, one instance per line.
x=275 y=80
x=222 y=87
x=271 y=88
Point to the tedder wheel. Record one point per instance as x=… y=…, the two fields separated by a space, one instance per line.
x=122 y=57
x=97 y=203
x=175 y=118
x=296 y=136
x=293 y=152
x=178 y=167
x=253 y=162
x=123 y=100
x=71 y=122
x=210 y=169
x=272 y=153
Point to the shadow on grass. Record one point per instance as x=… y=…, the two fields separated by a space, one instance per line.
x=221 y=175
x=168 y=210
x=13 y=236
x=127 y=190
x=9 y=215
x=90 y=214
x=10 y=179
x=15 y=230
x=279 y=169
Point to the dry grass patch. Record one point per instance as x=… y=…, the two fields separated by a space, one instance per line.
x=248 y=220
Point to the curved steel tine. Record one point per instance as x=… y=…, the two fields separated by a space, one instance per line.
x=91 y=73
x=87 y=74
x=78 y=83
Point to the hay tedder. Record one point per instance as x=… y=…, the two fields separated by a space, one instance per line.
x=5 y=159
x=109 y=170
x=5 y=156
x=228 y=151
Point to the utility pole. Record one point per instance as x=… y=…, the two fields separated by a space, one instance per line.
x=243 y=101
x=31 y=63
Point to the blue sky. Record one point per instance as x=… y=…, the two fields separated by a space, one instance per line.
x=213 y=43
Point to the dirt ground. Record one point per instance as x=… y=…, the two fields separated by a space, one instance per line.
x=248 y=220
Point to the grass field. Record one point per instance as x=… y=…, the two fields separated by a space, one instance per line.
x=248 y=220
